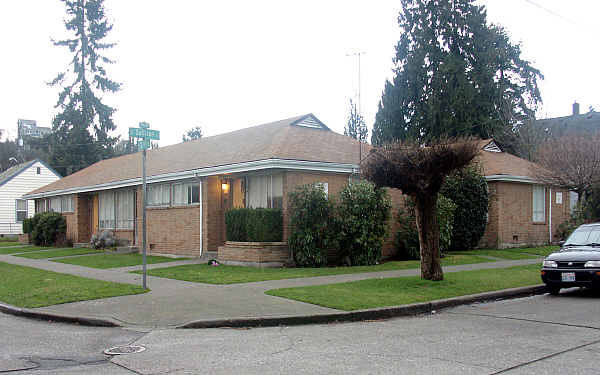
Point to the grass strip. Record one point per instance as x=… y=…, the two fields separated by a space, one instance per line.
x=104 y=261
x=513 y=254
x=32 y=287
x=541 y=250
x=59 y=253
x=9 y=243
x=223 y=274
x=372 y=293
x=26 y=249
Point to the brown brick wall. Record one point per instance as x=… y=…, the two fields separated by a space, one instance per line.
x=212 y=214
x=510 y=216
x=259 y=253
x=174 y=230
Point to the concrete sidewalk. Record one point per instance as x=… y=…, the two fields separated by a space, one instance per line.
x=172 y=303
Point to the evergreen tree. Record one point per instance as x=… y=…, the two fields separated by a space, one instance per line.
x=81 y=128
x=192 y=134
x=455 y=75
x=356 y=126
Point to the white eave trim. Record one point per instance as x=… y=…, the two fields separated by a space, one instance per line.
x=510 y=178
x=209 y=171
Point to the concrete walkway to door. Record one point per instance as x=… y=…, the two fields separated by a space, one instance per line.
x=172 y=303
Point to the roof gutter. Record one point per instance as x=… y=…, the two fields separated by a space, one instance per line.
x=511 y=178
x=208 y=171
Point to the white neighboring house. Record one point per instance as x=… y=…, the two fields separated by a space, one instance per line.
x=16 y=181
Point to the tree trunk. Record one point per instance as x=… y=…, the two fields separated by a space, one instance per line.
x=429 y=237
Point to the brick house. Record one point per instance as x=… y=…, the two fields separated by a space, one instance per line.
x=522 y=211
x=191 y=185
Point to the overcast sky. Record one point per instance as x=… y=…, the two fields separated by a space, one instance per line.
x=226 y=65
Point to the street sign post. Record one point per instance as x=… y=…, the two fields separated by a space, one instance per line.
x=144 y=135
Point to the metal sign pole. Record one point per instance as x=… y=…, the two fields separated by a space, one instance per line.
x=144 y=199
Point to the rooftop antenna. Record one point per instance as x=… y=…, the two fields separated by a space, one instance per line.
x=358 y=54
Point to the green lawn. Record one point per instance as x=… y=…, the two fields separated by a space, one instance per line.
x=372 y=293
x=26 y=249
x=541 y=251
x=512 y=254
x=58 y=253
x=104 y=261
x=8 y=243
x=31 y=287
x=223 y=274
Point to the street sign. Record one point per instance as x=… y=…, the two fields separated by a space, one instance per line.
x=145 y=134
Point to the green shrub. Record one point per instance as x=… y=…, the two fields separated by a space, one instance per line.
x=254 y=225
x=567 y=227
x=27 y=225
x=362 y=214
x=48 y=227
x=313 y=226
x=407 y=237
x=468 y=189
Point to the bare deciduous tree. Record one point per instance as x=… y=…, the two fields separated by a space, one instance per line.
x=420 y=172
x=571 y=162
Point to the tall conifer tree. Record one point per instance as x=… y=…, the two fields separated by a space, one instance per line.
x=455 y=75
x=81 y=128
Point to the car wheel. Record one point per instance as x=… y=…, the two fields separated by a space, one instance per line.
x=553 y=290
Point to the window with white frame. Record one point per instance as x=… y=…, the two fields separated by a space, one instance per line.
x=21 y=206
x=106 y=210
x=323 y=186
x=265 y=191
x=66 y=203
x=124 y=213
x=159 y=194
x=55 y=204
x=186 y=193
x=539 y=204
x=116 y=209
x=40 y=206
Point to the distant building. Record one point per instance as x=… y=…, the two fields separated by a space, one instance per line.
x=575 y=123
x=29 y=128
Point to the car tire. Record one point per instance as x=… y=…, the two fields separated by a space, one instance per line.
x=553 y=290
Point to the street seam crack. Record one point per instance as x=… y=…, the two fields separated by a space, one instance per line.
x=545 y=357
x=524 y=320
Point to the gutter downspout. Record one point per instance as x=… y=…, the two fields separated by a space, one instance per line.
x=550 y=216
x=201 y=204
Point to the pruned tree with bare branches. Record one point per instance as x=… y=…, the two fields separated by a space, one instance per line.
x=571 y=162
x=420 y=172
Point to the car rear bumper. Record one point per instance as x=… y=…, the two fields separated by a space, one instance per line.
x=583 y=277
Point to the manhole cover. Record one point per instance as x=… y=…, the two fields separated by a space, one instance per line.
x=125 y=349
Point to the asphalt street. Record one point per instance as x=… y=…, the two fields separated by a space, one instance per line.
x=534 y=335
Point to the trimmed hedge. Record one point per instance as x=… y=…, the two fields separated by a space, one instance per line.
x=468 y=189
x=313 y=226
x=362 y=214
x=47 y=227
x=254 y=225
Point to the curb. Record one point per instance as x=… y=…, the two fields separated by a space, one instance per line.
x=369 y=314
x=39 y=315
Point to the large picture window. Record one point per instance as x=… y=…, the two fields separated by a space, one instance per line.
x=159 y=194
x=116 y=209
x=186 y=193
x=21 y=205
x=539 y=204
x=106 y=210
x=265 y=191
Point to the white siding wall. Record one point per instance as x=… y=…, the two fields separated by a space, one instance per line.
x=23 y=183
